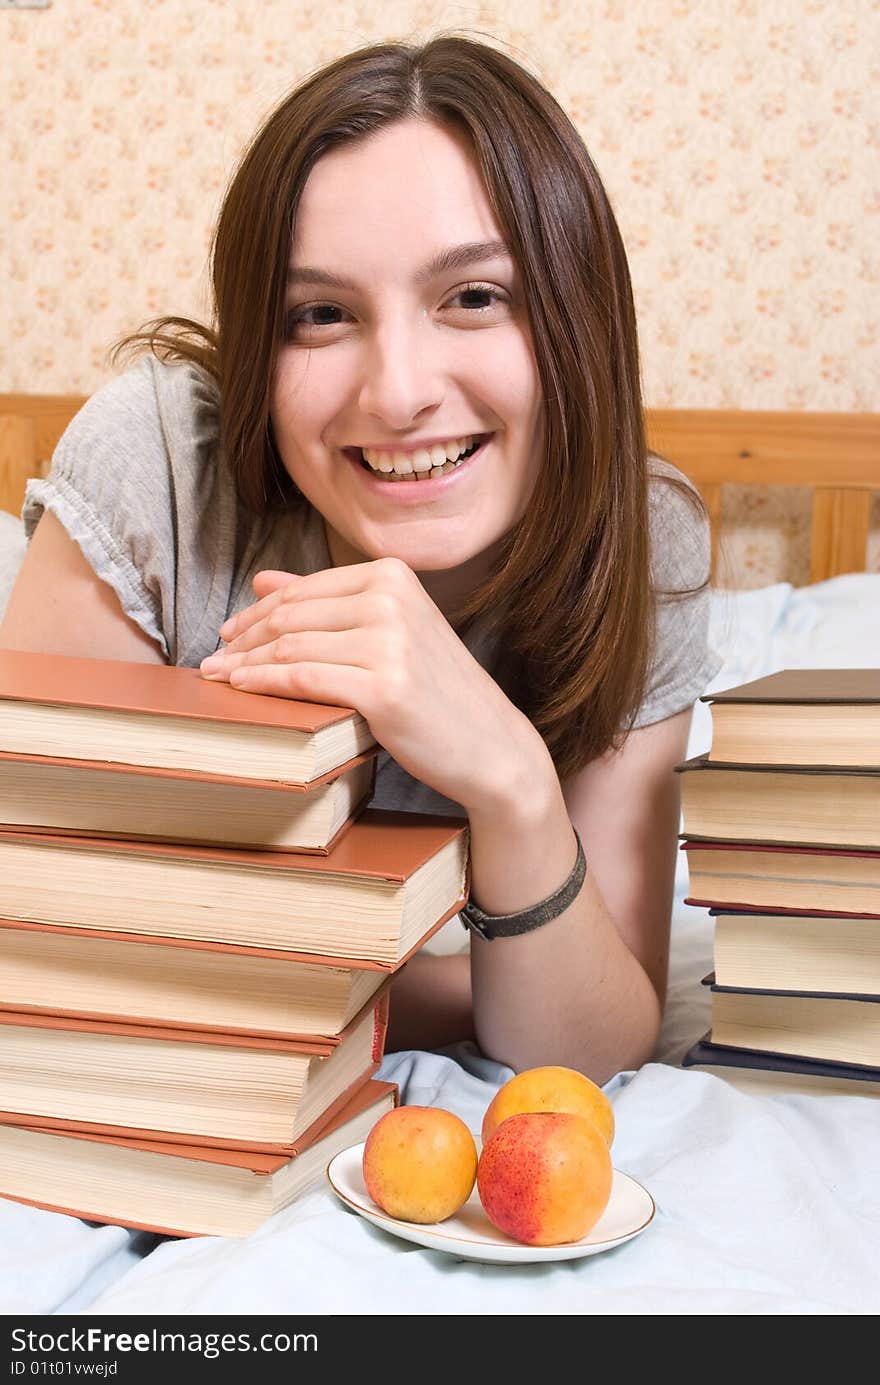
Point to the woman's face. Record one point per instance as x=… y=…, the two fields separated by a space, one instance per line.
x=391 y=348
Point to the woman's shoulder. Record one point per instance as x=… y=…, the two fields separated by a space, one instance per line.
x=138 y=481
x=679 y=534
x=154 y=407
x=682 y=660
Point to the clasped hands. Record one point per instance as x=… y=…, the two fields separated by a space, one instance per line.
x=369 y=636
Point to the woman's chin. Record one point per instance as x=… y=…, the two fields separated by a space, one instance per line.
x=430 y=558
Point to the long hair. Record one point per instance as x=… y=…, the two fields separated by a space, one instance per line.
x=571 y=595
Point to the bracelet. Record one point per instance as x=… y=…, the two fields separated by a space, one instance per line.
x=490 y=926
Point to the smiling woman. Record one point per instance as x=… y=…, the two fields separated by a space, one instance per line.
x=404 y=470
x=403 y=361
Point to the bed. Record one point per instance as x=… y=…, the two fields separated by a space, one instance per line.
x=766 y=1204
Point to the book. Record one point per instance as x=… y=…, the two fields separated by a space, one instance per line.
x=392 y=879
x=176 y=1190
x=91 y=974
x=797 y=952
x=785 y=804
x=809 y=716
x=832 y=1027
x=92 y=798
x=183 y=1085
x=786 y=879
x=113 y=712
x=766 y=1073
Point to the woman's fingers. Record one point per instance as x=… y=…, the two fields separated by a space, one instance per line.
x=336 y=685
x=322 y=613
x=293 y=646
x=383 y=575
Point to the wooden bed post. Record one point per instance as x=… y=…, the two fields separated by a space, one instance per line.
x=17 y=458
x=837 y=455
x=841 y=519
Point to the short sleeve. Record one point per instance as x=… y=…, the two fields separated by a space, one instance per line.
x=683 y=662
x=108 y=486
x=134 y=481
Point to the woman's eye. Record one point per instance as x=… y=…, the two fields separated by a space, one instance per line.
x=307 y=322
x=474 y=297
x=300 y=322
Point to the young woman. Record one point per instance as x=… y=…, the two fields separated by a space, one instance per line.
x=405 y=470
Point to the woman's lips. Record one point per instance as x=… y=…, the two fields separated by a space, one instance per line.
x=409 y=491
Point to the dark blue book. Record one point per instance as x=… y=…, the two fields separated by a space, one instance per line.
x=828 y=1027
x=752 y=1069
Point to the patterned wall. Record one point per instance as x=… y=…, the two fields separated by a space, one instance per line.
x=736 y=138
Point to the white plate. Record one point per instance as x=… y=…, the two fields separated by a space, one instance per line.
x=471 y=1236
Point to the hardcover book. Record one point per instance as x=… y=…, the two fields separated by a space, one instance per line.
x=752 y=1071
x=176 y=1190
x=182 y=1085
x=92 y=974
x=392 y=879
x=829 y=1026
x=808 y=716
x=783 y=879
x=166 y=717
x=783 y=804
x=93 y=798
x=797 y=952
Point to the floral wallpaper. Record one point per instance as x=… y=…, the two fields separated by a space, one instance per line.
x=738 y=140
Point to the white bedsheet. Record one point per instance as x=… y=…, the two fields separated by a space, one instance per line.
x=766 y=1204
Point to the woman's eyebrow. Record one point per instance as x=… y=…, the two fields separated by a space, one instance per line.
x=456 y=257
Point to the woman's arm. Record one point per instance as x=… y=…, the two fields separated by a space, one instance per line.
x=602 y=965
x=59 y=606
x=585 y=990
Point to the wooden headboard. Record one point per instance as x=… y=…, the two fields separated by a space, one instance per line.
x=837 y=455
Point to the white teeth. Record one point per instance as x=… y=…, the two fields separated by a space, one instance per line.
x=455 y=448
x=421 y=462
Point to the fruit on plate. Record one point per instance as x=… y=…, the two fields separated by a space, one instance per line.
x=550 y=1089
x=544 y=1177
x=420 y=1163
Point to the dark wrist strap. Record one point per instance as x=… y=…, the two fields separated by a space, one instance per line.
x=490 y=926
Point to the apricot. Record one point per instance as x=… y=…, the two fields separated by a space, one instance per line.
x=420 y=1163
x=544 y=1177
x=550 y=1089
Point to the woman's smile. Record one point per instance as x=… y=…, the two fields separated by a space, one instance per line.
x=417 y=478
x=397 y=338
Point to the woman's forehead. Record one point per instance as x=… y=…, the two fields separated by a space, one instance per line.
x=411 y=185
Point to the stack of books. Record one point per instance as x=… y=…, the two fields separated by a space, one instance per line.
x=200 y=917
x=782 y=832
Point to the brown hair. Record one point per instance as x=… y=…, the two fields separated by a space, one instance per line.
x=571 y=598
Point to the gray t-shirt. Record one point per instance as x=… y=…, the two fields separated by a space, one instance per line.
x=140 y=483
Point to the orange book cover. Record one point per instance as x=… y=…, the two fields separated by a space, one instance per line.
x=160 y=690
x=163 y=690
x=382 y=844
x=203 y=945
x=315 y=1046
x=124 y=779
x=63 y=1017
x=319 y=1048
x=363 y=1094
x=160 y=772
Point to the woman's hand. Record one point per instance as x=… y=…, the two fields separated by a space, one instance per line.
x=369 y=637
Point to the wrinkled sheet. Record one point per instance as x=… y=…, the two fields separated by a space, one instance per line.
x=766 y=1204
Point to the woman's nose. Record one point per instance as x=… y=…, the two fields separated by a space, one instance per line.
x=402 y=374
